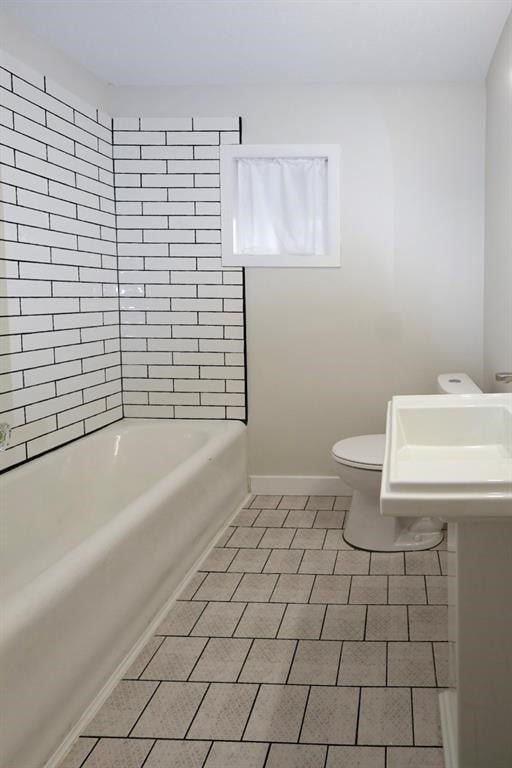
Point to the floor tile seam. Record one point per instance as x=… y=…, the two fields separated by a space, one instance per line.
x=301 y=559
x=315 y=516
x=242 y=665
x=266 y=560
x=326 y=755
x=349 y=588
x=303 y=718
x=148 y=754
x=436 y=677
x=130 y=730
x=327 y=744
x=338 y=671
x=310 y=592
x=358 y=717
x=238 y=622
x=412 y=719
x=317 y=684
x=365 y=624
x=205 y=646
x=82 y=763
x=192 y=719
x=273 y=589
x=162 y=641
x=379 y=686
x=276 y=636
x=210 y=747
x=425 y=587
x=251 y=709
x=267 y=753
x=294 y=654
x=198 y=586
x=287 y=573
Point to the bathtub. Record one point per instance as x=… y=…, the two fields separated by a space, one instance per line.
x=96 y=537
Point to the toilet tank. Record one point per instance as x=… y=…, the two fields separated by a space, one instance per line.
x=456 y=384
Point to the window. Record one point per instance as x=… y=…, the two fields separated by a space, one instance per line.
x=280 y=205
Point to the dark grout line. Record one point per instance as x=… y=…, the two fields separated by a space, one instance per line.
x=360 y=696
x=251 y=709
x=304 y=713
x=150 y=660
x=148 y=754
x=412 y=717
x=129 y=735
x=88 y=754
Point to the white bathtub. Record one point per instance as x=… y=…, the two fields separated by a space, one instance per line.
x=95 y=538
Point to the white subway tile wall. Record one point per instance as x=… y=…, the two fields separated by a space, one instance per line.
x=60 y=360
x=88 y=298
x=182 y=315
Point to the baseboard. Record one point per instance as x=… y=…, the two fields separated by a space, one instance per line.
x=130 y=657
x=290 y=485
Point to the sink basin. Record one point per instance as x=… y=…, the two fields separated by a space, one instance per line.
x=448 y=456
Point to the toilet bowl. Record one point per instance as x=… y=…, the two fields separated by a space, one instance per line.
x=359 y=463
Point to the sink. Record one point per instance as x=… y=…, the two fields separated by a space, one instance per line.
x=448 y=456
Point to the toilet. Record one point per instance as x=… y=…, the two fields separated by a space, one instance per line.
x=359 y=463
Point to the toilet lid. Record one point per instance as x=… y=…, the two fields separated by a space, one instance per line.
x=361 y=451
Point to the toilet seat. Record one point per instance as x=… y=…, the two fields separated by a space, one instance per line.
x=362 y=452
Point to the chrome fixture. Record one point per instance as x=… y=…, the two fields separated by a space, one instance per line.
x=5 y=435
x=505 y=378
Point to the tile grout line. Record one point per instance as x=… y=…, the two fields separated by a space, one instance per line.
x=242 y=665
x=203 y=609
x=82 y=763
x=192 y=719
x=207 y=754
x=130 y=731
x=148 y=754
x=292 y=662
x=338 y=671
x=358 y=720
x=306 y=703
x=244 y=729
x=162 y=641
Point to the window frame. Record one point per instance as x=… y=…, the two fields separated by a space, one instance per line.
x=228 y=156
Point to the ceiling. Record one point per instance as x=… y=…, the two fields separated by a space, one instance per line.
x=192 y=42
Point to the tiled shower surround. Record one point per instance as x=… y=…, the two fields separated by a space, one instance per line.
x=287 y=649
x=100 y=314
x=60 y=367
x=182 y=319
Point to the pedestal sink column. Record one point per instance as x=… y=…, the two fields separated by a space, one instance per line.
x=477 y=713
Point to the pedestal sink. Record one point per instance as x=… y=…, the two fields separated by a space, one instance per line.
x=450 y=456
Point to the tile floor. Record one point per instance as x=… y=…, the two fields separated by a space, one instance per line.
x=288 y=649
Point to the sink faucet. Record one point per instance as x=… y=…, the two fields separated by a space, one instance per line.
x=505 y=378
x=5 y=435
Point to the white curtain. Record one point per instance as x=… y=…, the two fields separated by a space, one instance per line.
x=281 y=206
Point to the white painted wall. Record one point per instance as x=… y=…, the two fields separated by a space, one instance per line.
x=498 y=214
x=327 y=348
x=19 y=41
